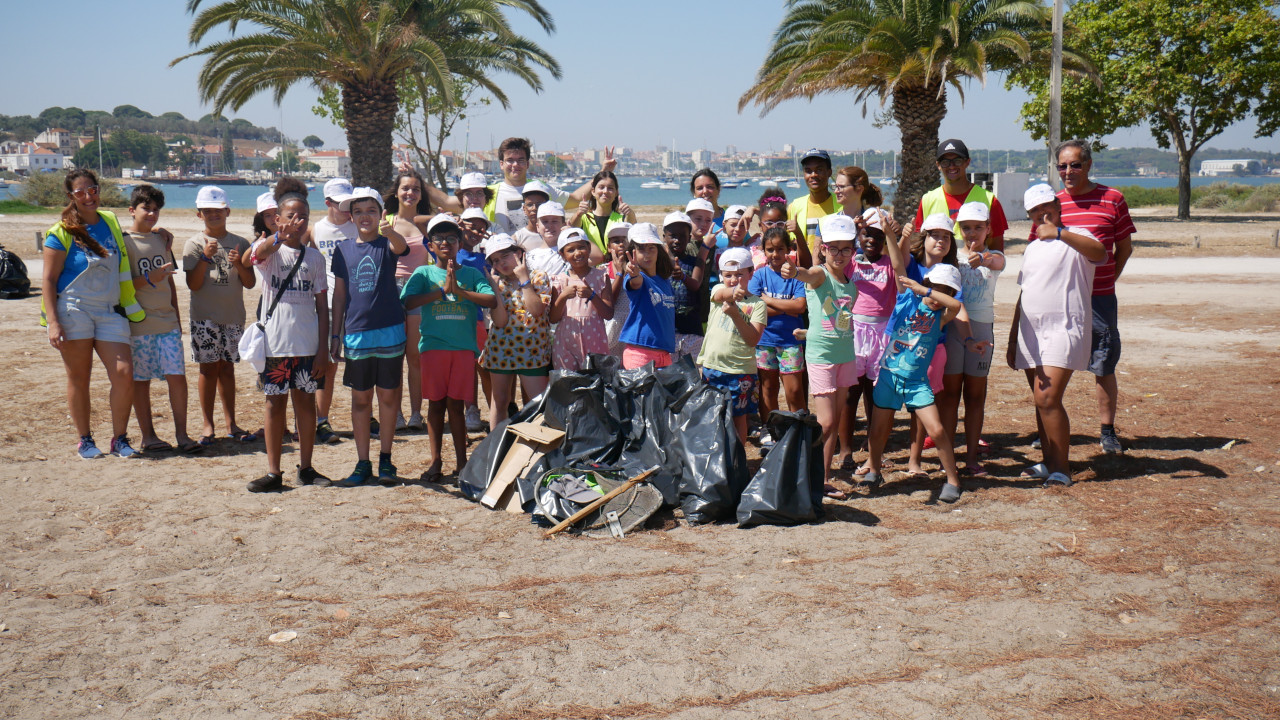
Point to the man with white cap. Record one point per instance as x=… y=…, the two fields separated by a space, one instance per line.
x=736 y=322
x=326 y=233
x=956 y=190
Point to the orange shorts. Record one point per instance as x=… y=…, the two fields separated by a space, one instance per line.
x=448 y=374
x=634 y=356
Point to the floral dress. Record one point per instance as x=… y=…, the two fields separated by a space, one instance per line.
x=525 y=343
x=581 y=331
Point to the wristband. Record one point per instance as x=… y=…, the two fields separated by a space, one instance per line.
x=1059 y=232
x=592 y=295
x=206 y=258
x=968 y=340
x=928 y=292
x=146 y=275
x=335 y=337
x=524 y=284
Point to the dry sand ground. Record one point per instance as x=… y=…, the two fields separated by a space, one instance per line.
x=148 y=588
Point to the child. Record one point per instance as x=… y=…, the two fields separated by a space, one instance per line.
x=877 y=291
x=616 y=270
x=915 y=329
x=773 y=213
x=688 y=279
x=704 y=243
x=581 y=302
x=447 y=347
x=295 y=316
x=546 y=257
x=217 y=279
x=830 y=297
x=979 y=269
x=649 y=333
x=728 y=356
x=519 y=345
x=475 y=230
x=529 y=237
x=335 y=227
x=157 y=340
x=778 y=353
x=264 y=221
x=368 y=328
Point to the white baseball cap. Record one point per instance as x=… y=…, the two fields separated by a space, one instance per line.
x=337 y=190
x=644 y=234
x=550 y=208
x=944 y=274
x=619 y=228
x=471 y=181
x=874 y=217
x=1034 y=197
x=475 y=214
x=736 y=258
x=677 y=217
x=266 y=201
x=211 y=196
x=937 y=221
x=498 y=243
x=442 y=219
x=700 y=204
x=974 y=211
x=361 y=193
x=536 y=186
x=569 y=236
x=735 y=211
x=836 y=228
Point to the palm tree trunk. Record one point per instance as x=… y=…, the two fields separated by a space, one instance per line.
x=370 y=112
x=919 y=112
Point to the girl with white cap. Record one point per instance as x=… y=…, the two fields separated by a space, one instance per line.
x=581 y=302
x=519 y=341
x=649 y=333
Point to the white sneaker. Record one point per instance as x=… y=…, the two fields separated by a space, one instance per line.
x=474 y=423
x=415 y=422
x=400 y=423
x=766 y=440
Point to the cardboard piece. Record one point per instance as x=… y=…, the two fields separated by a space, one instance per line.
x=531 y=441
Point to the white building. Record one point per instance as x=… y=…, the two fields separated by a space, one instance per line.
x=29 y=158
x=1212 y=168
x=60 y=138
x=701 y=158
x=333 y=163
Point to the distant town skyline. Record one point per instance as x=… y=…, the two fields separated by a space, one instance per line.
x=638 y=93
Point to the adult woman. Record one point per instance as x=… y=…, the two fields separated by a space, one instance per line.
x=1050 y=333
x=706 y=184
x=86 y=295
x=407 y=206
x=602 y=210
x=855 y=194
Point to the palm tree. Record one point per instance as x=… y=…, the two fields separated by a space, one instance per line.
x=906 y=53
x=364 y=48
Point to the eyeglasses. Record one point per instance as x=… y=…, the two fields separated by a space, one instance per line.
x=86 y=192
x=951 y=162
x=1062 y=167
x=446 y=239
x=515 y=161
x=772 y=223
x=838 y=252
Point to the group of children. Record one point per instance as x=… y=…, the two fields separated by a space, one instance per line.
x=380 y=278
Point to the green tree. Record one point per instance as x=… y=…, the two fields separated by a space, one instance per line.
x=906 y=54
x=1206 y=65
x=130 y=111
x=312 y=142
x=87 y=156
x=364 y=48
x=309 y=167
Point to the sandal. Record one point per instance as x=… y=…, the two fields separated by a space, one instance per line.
x=245 y=436
x=207 y=440
x=431 y=476
x=1039 y=471
x=833 y=492
x=1058 y=479
x=848 y=463
x=192 y=447
x=871 y=481
x=157 y=446
x=975 y=469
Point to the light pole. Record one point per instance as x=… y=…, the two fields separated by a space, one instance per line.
x=1055 y=96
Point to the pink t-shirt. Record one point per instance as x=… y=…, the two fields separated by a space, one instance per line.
x=417 y=257
x=877 y=291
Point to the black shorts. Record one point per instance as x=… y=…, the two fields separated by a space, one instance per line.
x=366 y=373
x=1105 y=353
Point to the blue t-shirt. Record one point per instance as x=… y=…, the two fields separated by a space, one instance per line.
x=688 y=303
x=914 y=333
x=651 y=319
x=369 y=271
x=471 y=259
x=916 y=272
x=76 y=261
x=779 y=331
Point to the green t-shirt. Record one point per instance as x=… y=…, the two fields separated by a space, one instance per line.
x=723 y=348
x=450 y=322
x=830 y=337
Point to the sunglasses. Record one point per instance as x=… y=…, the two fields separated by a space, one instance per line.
x=773 y=223
x=1062 y=167
x=85 y=192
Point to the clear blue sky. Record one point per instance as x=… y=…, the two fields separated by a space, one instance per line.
x=635 y=74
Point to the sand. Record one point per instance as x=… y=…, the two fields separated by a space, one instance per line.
x=149 y=588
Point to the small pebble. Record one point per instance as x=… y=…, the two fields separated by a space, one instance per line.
x=274 y=578
x=504 y=615
x=283 y=636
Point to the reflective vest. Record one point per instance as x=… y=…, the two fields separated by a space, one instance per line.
x=491 y=205
x=128 y=299
x=588 y=224
x=935 y=201
x=798 y=210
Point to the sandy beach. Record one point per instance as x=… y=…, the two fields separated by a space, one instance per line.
x=149 y=587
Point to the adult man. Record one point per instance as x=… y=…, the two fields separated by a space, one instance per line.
x=956 y=190
x=803 y=213
x=1102 y=211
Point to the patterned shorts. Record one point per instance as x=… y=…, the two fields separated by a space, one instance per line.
x=787 y=358
x=155 y=356
x=741 y=389
x=213 y=342
x=283 y=374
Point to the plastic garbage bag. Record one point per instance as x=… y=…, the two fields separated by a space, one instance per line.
x=787 y=489
x=713 y=457
x=487 y=455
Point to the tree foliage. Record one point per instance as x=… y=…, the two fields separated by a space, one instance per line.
x=312 y=142
x=48 y=190
x=1204 y=66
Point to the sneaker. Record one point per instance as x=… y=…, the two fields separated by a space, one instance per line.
x=373 y=427
x=325 y=434
x=400 y=423
x=474 y=423
x=362 y=474
x=271 y=482
x=309 y=476
x=415 y=422
x=1035 y=444
x=1111 y=444
x=766 y=440
x=950 y=493
x=120 y=447
x=88 y=449
x=387 y=473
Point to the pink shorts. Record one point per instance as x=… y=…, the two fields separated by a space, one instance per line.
x=869 y=342
x=448 y=374
x=936 y=366
x=634 y=356
x=825 y=379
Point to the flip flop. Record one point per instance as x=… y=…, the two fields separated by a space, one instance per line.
x=1039 y=471
x=848 y=463
x=192 y=447
x=871 y=481
x=1057 y=479
x=834 y=493
x=975 y=469
x=244 y=436
x=207 y=440
x=862 y=470
x=158 y=446
x=431 y=476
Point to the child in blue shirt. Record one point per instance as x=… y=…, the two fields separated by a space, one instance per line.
x=649 y=333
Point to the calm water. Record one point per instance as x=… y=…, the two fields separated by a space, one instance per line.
x=244 y=196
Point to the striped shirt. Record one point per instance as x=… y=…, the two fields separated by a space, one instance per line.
x=1103 y=212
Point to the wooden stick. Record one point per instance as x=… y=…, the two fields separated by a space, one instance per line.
x=595 y=504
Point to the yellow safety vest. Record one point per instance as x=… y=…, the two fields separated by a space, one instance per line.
x=935 y=201
x=588 y=224
x=491 y=205
x=128 y=298
x=798 y=210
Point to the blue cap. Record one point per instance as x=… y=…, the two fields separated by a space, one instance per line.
x=816 y=153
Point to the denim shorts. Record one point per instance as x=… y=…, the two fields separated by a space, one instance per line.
x=91 y=321
x=1105 y=353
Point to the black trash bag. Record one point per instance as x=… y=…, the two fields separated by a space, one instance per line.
x=710 y=450
x=483 y=463
x=14 y=284
x=787 y=489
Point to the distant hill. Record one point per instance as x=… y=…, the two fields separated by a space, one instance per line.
x=24 y=128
